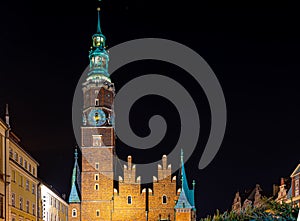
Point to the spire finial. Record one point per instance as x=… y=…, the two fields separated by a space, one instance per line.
x=7 y=115
x=76 y=154
x=181 y=155
x=98 y=26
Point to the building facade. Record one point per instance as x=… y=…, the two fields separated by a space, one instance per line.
x=249 y=198
x=94 y=195
x=290 y=192
x=54 y=208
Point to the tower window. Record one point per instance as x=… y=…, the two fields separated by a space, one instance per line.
x=97 y=166
x=96 y=186
x=164 y=199
x=129 y=200
x=74 y=212
x=98 y=213
x=96 y=102
x=96 y=177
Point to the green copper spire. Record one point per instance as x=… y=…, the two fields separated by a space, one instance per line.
x=98 y=56
x=186 y=198
x=98 y=26
x=74 y=194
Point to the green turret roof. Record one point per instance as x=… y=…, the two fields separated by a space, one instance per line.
x=98 y=56
x=186 y=197
x=74 y=194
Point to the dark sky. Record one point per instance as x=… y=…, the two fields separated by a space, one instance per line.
x=252 y=48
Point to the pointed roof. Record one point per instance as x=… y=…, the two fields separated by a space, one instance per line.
x=74 y=194
x=99 y=26
x=186 y=197
x=296 y=171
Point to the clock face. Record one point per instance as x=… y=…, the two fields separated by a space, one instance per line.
x=97 y=117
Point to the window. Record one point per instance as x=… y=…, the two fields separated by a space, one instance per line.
x=21 y=161
x=96 y=102
x=33 y=170
x=11 y=153
x=33 y=209
x=97 y=166
x=27 y=206
x=74 y=212
x=96 y=186
x=98 y=213
x=13 y=176
x=21 y=181
x=96 y=177
x=16 y=156
x=164 y=199
x=97 y=140
x=21 y=203
x=25 y=164
x=30 y=168
x=33 y=189
x=13 y=199
x=27 y=184
x=129 y=200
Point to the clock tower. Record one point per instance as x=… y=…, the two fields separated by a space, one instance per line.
x=97 y=134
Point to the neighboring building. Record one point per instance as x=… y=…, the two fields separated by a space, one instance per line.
x=20 y=195
x=54 y=207
x=18 y=180
x=94 y=195
x=250 y=198
x=293 y=193
x=24 y=182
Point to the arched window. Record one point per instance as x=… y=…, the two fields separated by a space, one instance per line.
x=129 y=200
x=164 y=199
x=74 y=212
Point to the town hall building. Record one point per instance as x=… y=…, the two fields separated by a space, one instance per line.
x=94 y=194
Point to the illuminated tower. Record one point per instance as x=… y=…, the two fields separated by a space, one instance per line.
x=97 y=136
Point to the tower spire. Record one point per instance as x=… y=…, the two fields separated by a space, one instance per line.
x=99 y=25
x=74 y=194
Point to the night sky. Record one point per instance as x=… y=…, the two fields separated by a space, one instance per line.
x=252 y=48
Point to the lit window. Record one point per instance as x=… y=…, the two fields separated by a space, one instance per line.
x=96 y=177
x=74 y=212
x=164 y=199
x=13 y=176
x=27 y=206
x=96 y=186
x=10 y=153
x=97 y=140
x=21 y=203
x=27 y=185
x=13 y=199
x=98 y=213
x=129 y=200
x=33 y=209
x=33 y=189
